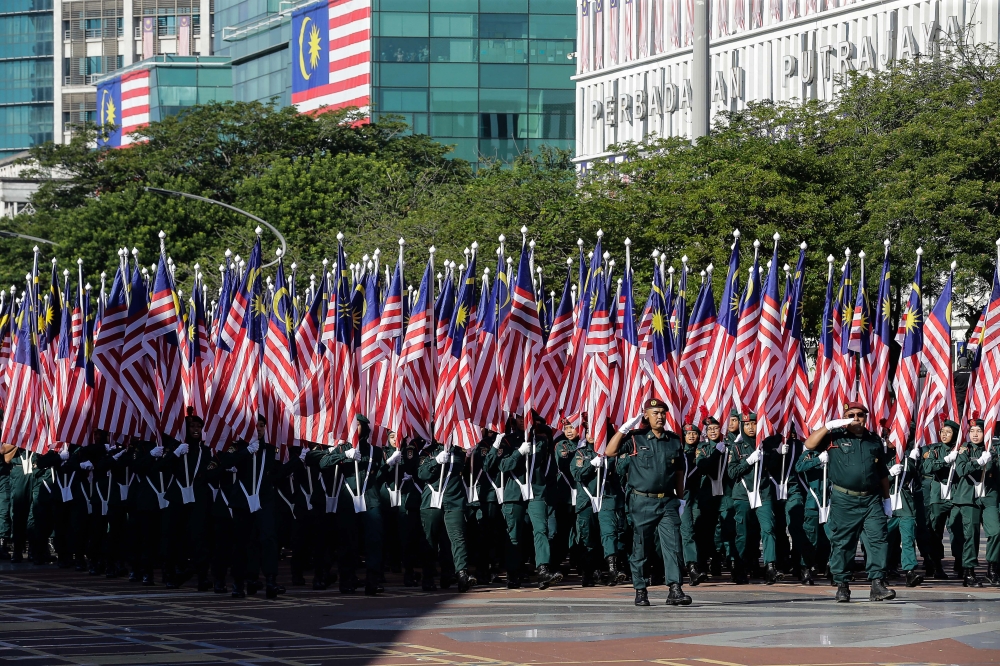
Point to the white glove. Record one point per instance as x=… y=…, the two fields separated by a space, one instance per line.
x=393 y=460
x=406 y=477
x=156 y=452
x=64 y=453
x=985 y=458
x=720 y=447
x=442 y=457
x=824 y=457
x=753 y=457
x=915 y=454
x=784 y=449
x=597 y=462
x=896 y=470
x=86 y=465
x=887 y=507
x=524 y=449
x=118 y=455
x=498 y=441
x=181 y=449
x=680 y=509
x=303 y=454
x=109 y=447
x=254 y=446
x=352 y=454
x=950 y=458
x=231 y=469
x=631 y=424
x=838 y=423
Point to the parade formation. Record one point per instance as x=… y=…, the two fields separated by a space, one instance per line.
x=474 y=429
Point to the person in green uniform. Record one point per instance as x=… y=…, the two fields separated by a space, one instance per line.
x=991 y=515
x=113 y=490
x=586 y=468
x=22 y=488
x=310 y=511
x=541 y=482
x=361 y=469
x=710 y=458
x=788 y=512
x=694 y=491
x=748 y=468
x=484 y=520
x=613 y=522
x=222 y=484
x=44 y=498
x=150 y=489
x=725 y=531
x=859 y=500
x=816 y=547
x=936 y=469
x=563 y=501
x=904 y=477
x=973 y=460
x=291 y=513
x=401 y=480
x=7 y=452
x=653 y=460
x=442 y=506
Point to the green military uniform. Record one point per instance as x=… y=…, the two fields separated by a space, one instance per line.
x=748 y=477
x=789 y=513
x=414 y=550
x=6 y=518
x=46 y=495
x=23 y=488
x=562 y=502
x=904 y=518
x=187 y=518
x=697 y=491
x=816 y=547
x=991 y=516
x=221 y=482
x=484 y=520
x=508 y=468
x=856 y=470
x=588 y=499
x=939 y=511
x=725 y=531
x=150 y=491
x=291 y=514
x=651 y=464
x=969 y=475
x=317 y=520
x=442 y=507
x=711 y=464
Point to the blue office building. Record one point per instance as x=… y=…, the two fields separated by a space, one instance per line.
x=26 y=75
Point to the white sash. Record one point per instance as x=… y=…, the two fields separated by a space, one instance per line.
x=28 y=463
x=66 y=489
x=187 y=491
x=253 y=499
x=360 y=506
x=123 y=487
x=104 y=500
x=332 y=500
x=161 y=497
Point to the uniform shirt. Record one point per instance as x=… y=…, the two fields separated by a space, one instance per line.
x=968 y=473
x=856 y=463
x=742 y=473
x=650 y=462
x=430 y=473
x=935 y=471
x=809 y=469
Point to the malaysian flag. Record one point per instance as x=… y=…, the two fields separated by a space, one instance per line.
x=881 y=339
x=72 y=407
x=598 y=34
x=937 y=402
x=696 y=349
x=663 y=357
x=583 y=30
x=448 y=388
x=416 y=362
x=198 y=355
x=280 y=381
x=6 y=344
x=113 y=409
x=633 y=388
x=577 y=362
x=976 y=398
x=770 y=385
x=676 y=22
x=312 y=356
x=553 y=361
x=842 y=359
x=722 y=18
x=613 y=31
x=599 y=340
x=989 y=352
x=659 y=25
x=524 y=341
x=342 y=397
x=739 y=14
x=794 y=412
x=136 y=376
x=859 y=344
x=642 y=17
x=160 y=337
x=716 y=378
x=26 y=417
x=485 y=385
x=746 y=357
x=628 y=37
x=822 y=405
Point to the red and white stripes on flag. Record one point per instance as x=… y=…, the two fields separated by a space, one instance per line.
x=676 y=21
x=599 y=34
x=937 y=402
x=613 y=22
x=135 y=103
x=722 y=18
x=628 y=34
x=770 y=386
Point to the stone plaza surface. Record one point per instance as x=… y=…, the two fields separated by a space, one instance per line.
x=56 y=616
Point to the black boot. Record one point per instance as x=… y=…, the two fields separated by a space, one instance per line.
x=739 y=574
x=771 y=574
x=641 y=597
x=913 y=579
x=547 y=578
x=716 y=567
x=676 y=596
x=843 y=593
x=513 y=581
x=992 y=576
x=465 y=581
x=588 y=578
x=612 y=571
x=409 y=578
x=4 y=549
x=219 y=587
x=238 y=591
x=148 y=580
x=939 y=572
x=808 y=578
x=319 y=583
x=694 y=576
x=271 y=587
x=298 y=578
x=970 y=579
x=880 y=592
x=253 y=586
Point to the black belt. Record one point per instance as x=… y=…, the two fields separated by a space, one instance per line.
x=852 y=493
x=655 y=495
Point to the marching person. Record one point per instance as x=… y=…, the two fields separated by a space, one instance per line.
x=695 y=490
x=859 y=501
x=967 y=487
x=586 y=468
x=653 y=460
x=935 y=469
x=442 y=506
x=816 y=546
x=711 y=461
x=484 y=520
x=903 y=478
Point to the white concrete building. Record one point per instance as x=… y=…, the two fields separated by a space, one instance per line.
x=634 y=57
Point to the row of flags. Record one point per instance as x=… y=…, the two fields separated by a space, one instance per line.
x=463 y=350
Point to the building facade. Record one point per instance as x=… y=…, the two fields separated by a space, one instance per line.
x=634 y=62
x=27 y=82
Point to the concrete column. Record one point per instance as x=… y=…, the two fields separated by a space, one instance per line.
x=701 y=81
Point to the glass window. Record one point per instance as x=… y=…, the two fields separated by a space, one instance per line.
x=504 y=26
x=178 y=95
x=448 y=75
x=416 y=122
x=551 y=126
x=551 y=76
x=503 y=50
x=506 y=101
x=403 y=6
x=550 y=50
x=454 y=124
x=505 y=6
x=501 y=125
x=453 y=50
x=460 y=100
x=453 y=25
x=171 y=76
x=503 y=76
x=25 y=36
x=463 y=149
x=455 y=5
x=403 y=25
x=561 y=144
x=553 y=7
x=506 y=150
x=92 y=28
x=403 y=49
x=552 y=27
x=210 y=76
x=393 y=100
x=403 y=76
x=551 y=101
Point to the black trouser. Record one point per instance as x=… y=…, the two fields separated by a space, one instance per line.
x=21 y=519
x=222 y=531
x=146 y=535
x=255 y=546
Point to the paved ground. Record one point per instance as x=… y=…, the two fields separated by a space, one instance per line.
x=62 y=617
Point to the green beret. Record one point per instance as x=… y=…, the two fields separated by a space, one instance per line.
x=951 y=424
x=363 y=419
x=734 y=413
x=749 y=416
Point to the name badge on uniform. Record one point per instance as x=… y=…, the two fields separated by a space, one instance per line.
x=67 y=493
x=123 y=491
